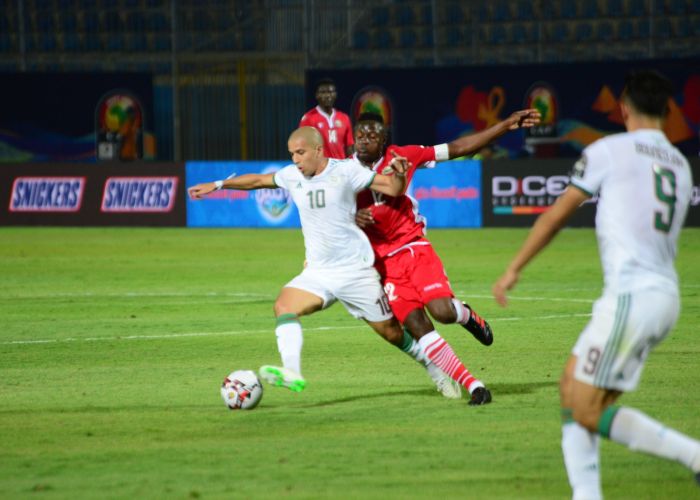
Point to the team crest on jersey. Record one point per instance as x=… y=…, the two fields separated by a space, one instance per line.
x=338 y=123
x=320 y=124
x=579 y=168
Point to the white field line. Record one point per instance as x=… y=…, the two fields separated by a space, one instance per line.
x=245 y=332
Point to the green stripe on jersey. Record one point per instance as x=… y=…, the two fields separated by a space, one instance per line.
x=612 y=346
x=584 y=191
x=374 y=174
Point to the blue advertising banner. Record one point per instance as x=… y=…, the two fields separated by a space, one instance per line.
x=229 y=208
x=448 y=196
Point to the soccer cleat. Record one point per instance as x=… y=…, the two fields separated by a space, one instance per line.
x=480 y=396
x=282 y=377
x=445 y=385
x=477 y=326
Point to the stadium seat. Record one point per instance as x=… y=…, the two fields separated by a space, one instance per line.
x=682 y=27
x=360 y=39
x=454 y=36
x=568 y=9
x=589 y=9
x=380 y=16
x=91 y=22
x=614 y=8
x=44 y=22
x=501 y=11
x=643 y=28
x=407 y=38
x=560 y=32
x=161 y=42
x=605 y=31
x=201 y=20
x=135 y=22
x=426 y=14
x=662 y=29
x=637 y=8
x=47 y=42
x=497 y=34
x=115 y=42
x=383 y=39
x=92 y=42
x=695 y=6
x=583 y=31
x=5 y=42
x=157 y=22
x=71 y=42
x=405 y=15
x=69 y=21
x=137 y=41
x=525 y=11
x=625 y=30
x=454 y=14
x=519 y=33
x=426 y=37
x=112 y=21
x=677 y=7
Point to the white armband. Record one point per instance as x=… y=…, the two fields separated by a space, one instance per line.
x=218 y=184
x=442 y=152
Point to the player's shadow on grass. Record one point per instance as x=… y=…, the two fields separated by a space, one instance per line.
x=496 y=389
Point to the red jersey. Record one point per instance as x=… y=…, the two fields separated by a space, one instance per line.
x=335 y=128
x=397 y=220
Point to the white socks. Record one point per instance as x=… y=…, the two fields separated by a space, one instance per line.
x=289 y=342
x=639 y=432
x=463 y=312
x=581 y=457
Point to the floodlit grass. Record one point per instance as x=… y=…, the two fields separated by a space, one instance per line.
x=113 y=344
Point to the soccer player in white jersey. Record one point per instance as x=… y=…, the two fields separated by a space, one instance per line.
x=644 y=186
x=339 y=257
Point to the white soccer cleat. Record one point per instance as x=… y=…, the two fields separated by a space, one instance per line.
x=445 y=385
x=282 y=377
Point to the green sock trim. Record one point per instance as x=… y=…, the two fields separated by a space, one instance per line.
x=407 y=341
x=567 y=416
x=283 y=319
x=606 y=420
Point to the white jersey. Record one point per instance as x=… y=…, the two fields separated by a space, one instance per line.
x=327 y=207
x=644 y=185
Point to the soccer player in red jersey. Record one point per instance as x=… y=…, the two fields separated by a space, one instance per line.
x=413 y=275
x=334 y=125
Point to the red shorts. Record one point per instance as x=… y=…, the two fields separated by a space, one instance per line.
x=412 y=277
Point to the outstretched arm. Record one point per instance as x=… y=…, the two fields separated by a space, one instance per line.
x=472 y=143
x=543 y=231
x=244 y=182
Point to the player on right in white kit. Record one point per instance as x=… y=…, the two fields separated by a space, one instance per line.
x=644 y=186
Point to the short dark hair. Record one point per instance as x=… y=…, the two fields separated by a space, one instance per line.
x=648 y=91
x=324 y=81
x=370 y=117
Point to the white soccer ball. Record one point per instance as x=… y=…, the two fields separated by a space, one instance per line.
x=242 y=390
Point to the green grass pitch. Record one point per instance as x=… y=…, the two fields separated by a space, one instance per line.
x=114 y=342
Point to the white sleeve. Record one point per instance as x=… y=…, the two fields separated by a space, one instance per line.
x=590 y=170
x=359 y=176
x=281 y=178
x=442 y=152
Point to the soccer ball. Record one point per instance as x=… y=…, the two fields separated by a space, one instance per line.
x=242 y=390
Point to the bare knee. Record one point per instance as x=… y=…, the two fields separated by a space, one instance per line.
x=442 y=310
x=587 y=416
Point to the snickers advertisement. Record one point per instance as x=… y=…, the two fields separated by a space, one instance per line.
x=134 y=194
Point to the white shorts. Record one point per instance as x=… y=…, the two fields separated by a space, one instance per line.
x=359 y=290
x=613 y=347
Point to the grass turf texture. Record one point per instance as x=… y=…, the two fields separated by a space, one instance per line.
x=113 y=344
